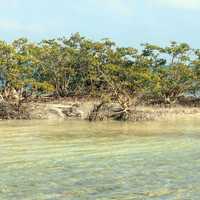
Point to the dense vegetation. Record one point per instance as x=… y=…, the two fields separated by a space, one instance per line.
x=77 y=66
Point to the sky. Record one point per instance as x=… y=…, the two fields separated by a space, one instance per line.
x=127 y=22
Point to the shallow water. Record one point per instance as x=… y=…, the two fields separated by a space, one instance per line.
x=77 y=160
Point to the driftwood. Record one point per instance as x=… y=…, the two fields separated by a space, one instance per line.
x=94 y=114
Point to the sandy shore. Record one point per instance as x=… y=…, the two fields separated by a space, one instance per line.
x=80 y=110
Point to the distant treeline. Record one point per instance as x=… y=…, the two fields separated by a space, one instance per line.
x=77 y=66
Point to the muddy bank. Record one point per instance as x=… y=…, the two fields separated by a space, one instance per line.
x=13 y=111
x=64 y=110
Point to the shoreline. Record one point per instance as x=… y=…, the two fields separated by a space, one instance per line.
x=80 y=110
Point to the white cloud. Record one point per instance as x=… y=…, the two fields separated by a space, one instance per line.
x=11 y=25
x=182 y=4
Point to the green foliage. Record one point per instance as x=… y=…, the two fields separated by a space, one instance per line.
x=81 y=67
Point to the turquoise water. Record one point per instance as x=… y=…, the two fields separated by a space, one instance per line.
x=77 y=160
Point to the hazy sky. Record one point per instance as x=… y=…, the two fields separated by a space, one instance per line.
x=128 y=22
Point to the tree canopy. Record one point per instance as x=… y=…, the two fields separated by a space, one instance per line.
x=78 y=66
